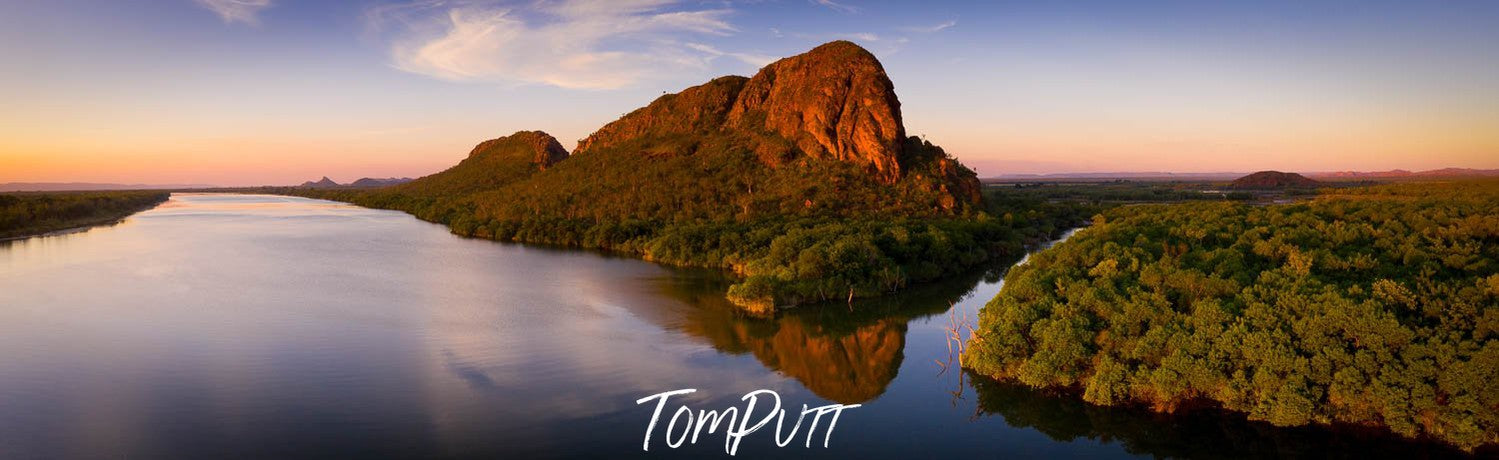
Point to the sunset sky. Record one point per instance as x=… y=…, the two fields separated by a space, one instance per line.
x=249 y=92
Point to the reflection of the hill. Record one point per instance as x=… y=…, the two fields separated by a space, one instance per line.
x=1195 y=433
x=844 y=354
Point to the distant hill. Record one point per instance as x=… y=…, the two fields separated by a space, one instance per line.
x=1403 y=174
x=90 y=186
x=1265 y=180
x=324 y=183
x=1393 y=174
x=365 y=182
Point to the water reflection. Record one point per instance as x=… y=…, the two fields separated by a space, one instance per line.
x=1201 y=433
x=274 y=327
x=843 y=353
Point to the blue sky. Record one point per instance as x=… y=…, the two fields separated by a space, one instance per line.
x=252 y=91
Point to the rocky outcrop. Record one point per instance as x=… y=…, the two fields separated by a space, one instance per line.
x=834 y=101
x=1265 y=180
x=699 y=109
x=542 y=149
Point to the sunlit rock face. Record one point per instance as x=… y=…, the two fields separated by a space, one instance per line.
x=834 y=101
x=699 y=109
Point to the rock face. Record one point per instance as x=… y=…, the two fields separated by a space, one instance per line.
x=1273 y=180
x=834 y=101
x=543 y=149
x=699 y=109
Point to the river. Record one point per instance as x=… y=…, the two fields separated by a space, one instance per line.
x=269 y=326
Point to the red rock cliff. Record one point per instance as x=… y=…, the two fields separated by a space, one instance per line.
x=834 y=101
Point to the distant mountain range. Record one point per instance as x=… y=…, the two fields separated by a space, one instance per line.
x=1399 y=173
x=82 y=186
x=366 y=182
x=1210 y=176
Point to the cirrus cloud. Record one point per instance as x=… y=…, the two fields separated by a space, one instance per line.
x=581 y=44
x=244 y=11
x=930 y=29
x=835 y=6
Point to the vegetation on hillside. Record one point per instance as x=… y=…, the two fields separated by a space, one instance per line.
x=815 y=231
x=1371 y=306
x=23 y=214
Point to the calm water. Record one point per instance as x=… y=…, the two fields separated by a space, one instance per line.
x=236 y=325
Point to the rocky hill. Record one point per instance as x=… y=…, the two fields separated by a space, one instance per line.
x=492 y=164
x=325 y=182
x=1267 y=180
x=800 y=179
x=834 y=102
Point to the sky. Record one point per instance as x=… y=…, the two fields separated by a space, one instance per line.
x=253 y=92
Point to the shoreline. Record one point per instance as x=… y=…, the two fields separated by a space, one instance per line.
x=86 y=224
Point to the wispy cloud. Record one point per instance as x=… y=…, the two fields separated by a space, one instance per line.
x=864 y=36
x=588 y=44
x=757 y=60
x=930 y=29
x=835 y=6
x=231 y=11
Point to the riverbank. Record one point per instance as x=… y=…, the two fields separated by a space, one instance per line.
x=28 y=214
x=1369 y=306
x=780 y=261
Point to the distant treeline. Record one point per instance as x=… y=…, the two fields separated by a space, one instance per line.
x=23 y=214
x=1370 y=306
